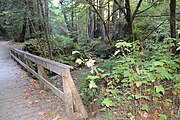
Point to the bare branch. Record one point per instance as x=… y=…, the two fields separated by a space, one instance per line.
x=137 y=8
x=147 y=8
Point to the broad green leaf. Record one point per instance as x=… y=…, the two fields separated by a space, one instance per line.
x=138 y=96
x=92 y=77
x=165 y=74
x=138 y=83
x=126 y=73
x=123 y=44
x=159 y=88
x=92 y=85
x=167 y=100
x=158 y=63
x=112 y=91
x=107 y=102
x=90 y=62
x=79 y=61
x=162 y=117
x=116 y=52
x=145 y=108
x=75 y=52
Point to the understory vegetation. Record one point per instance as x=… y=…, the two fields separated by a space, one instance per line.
x=127 y=51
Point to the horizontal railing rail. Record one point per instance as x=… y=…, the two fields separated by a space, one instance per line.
x=69 y=95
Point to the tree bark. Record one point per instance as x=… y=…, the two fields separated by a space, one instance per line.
x=173 y=18
x=114 y=21
x=3 y=33
x=103 y=32
x=129 y=20
x=121 y=19
x=92 y=20
x=22 y=35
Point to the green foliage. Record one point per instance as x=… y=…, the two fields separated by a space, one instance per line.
x=136 y=76
x=162 y=117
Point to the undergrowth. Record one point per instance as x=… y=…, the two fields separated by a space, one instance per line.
x=137 y=82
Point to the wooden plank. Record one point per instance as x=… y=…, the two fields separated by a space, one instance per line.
x=42 y=72
x=49 y=64
x=69 y=100
x=76 y=98
x=55 y=90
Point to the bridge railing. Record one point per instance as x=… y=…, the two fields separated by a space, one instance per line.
x=69 y=94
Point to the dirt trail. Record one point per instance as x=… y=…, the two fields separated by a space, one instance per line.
x=20 y=96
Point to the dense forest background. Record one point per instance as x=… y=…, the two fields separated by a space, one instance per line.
x=126 y=50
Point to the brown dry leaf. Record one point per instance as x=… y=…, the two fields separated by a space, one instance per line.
x=137 y=70
x=32 y=80
x=41 y=91
x=62 y=118
x=36 y=101
x=37 y=85
x=103 y=89
x=27 y=113
x=167 y=104
x=41 y=113
x=145 y=114
x=172 y=112
x=174 y=92
x=155 y=115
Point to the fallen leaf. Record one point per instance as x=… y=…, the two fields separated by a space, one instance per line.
x=145 y=114
x=137 y=70
x=41 y=113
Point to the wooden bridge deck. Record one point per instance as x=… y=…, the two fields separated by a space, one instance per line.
x=18 y=99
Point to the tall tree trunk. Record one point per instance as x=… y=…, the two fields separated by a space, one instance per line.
x=103 y=32
x=3 y=33
x=173 y=18
x=121 y=19
x=65 y=16
x=129 y=19
x=72 y=15
x=108 y=20
x=47 y=32
x=114 y=21
x=30 y=5
x=22 y=35
x=92 y=20
x=87 y=21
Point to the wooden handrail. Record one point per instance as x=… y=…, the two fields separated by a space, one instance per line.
x=69 y=94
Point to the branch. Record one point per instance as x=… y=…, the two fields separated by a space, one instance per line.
x=154 y=29
x=147 y=8
x=152 y=16
x=120 y=7
x=137 y=8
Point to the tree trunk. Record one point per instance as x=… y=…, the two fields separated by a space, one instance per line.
x=121 y=19
x=108 y=21
x=65 y=17
x=129 y=20
x=92 y=20
x=3 y=33
x=114 y=21
x=46 y=23
x=22 y=35
x=173 y=18
x=103 y=33
x=87 y=21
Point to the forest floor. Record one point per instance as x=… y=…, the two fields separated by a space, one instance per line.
x=21 y=96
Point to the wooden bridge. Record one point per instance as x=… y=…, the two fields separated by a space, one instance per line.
x=36 y=67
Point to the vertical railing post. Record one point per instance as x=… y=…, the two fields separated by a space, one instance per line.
x=68 y=99
x=42 y=72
